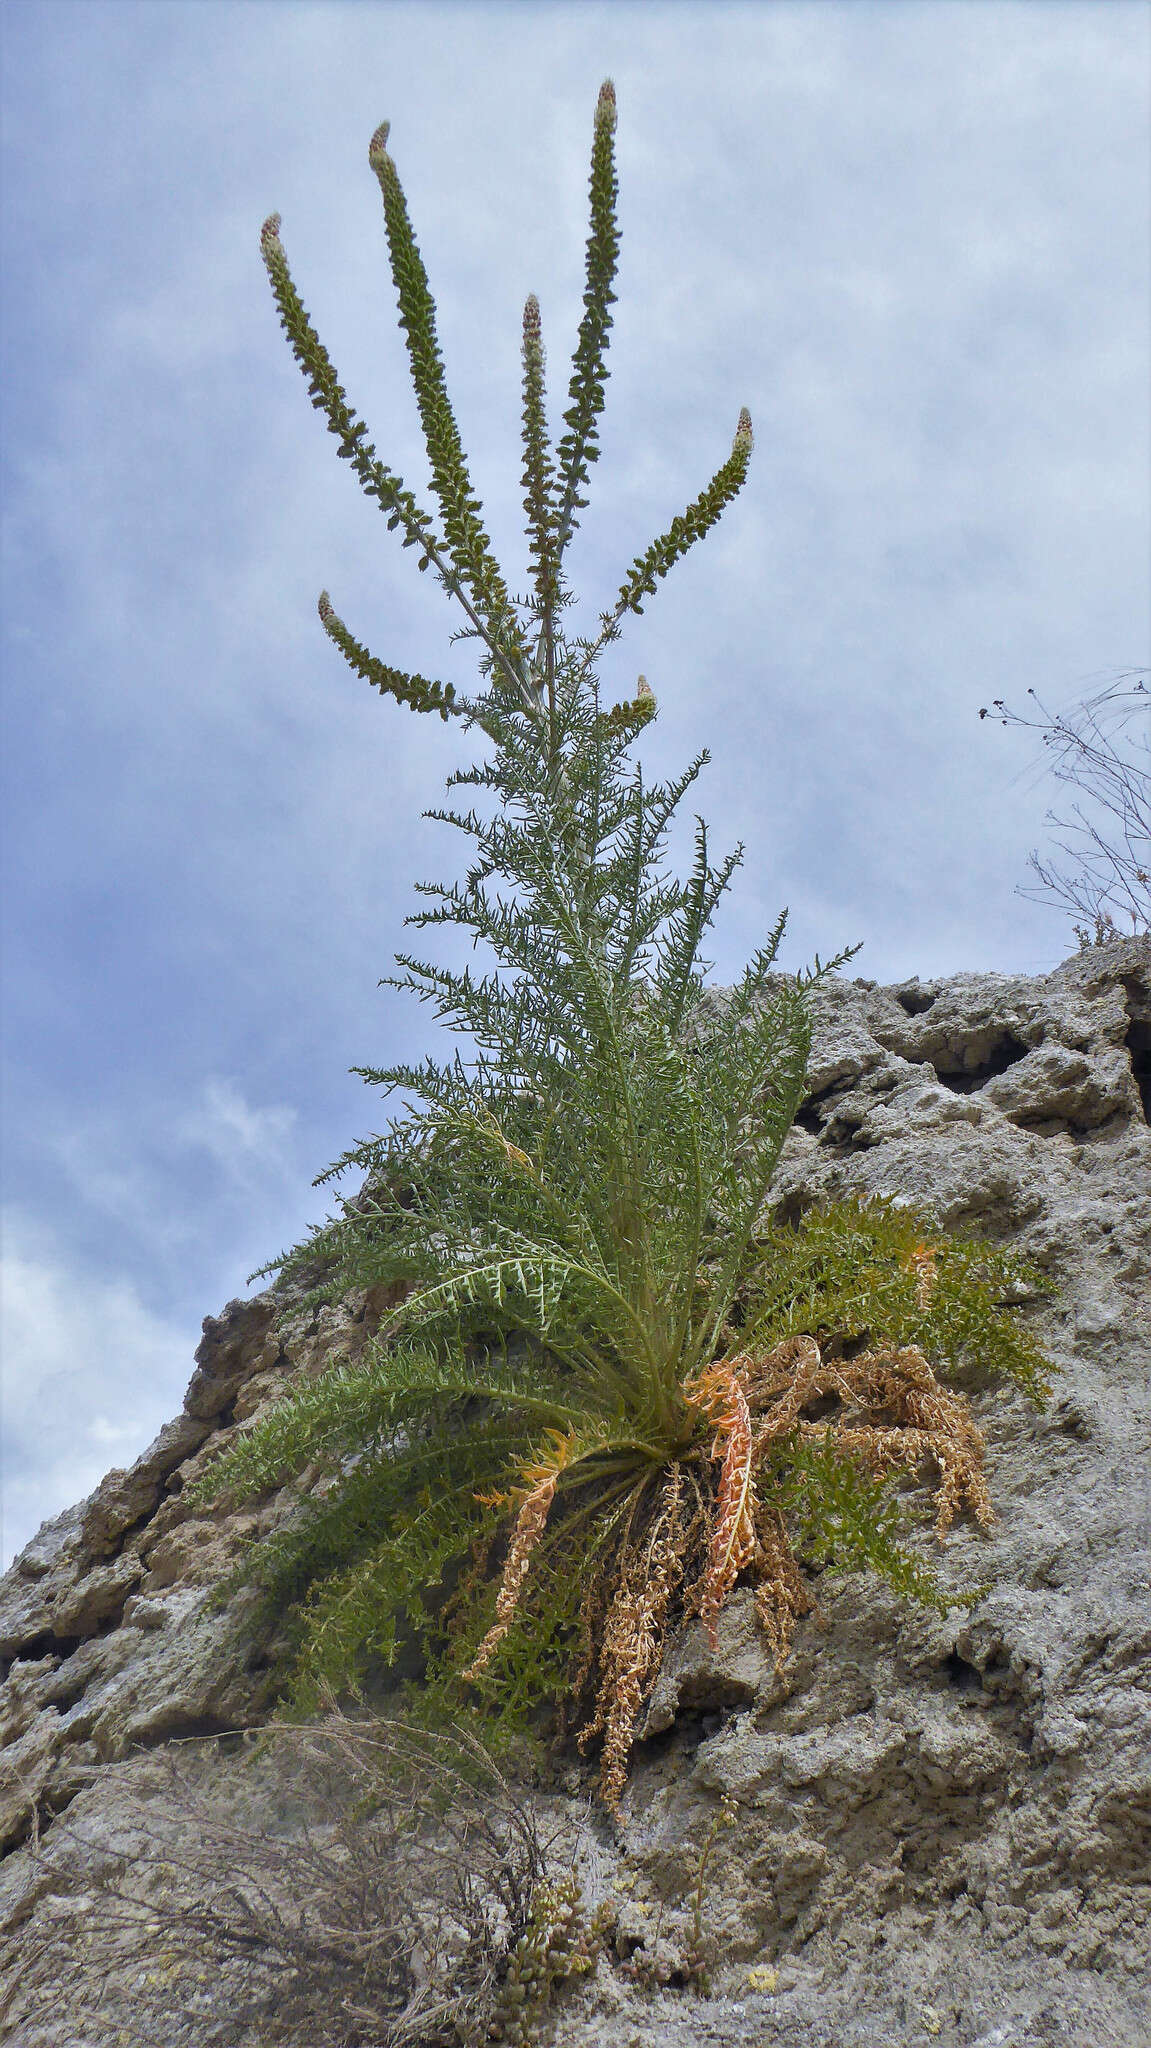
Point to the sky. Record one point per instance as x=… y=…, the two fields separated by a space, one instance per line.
x=911 y=235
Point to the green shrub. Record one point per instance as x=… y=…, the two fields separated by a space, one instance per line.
x=560 y=1442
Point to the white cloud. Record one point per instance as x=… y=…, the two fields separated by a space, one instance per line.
x=89 y=1376
x=122 y=1170
x=234 y=1134
x=173 y=1206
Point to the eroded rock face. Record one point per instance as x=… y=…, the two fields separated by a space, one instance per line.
x=941 y=1824
x=106 y=1635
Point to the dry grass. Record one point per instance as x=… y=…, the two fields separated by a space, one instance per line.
x=387 y=1917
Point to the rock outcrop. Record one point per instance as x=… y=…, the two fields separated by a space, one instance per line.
x=941 y=1827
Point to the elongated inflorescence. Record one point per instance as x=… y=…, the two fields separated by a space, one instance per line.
x=539 y=482
x=415 y=690
x=467 y=542
x=522 y=645
x=690 y=526
x=329 y=397
x=579 y=447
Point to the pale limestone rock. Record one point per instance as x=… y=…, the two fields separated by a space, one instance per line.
x=124 y=1498
x=941 y=1823
x=96 y=1598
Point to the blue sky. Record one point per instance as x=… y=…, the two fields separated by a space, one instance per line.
x=912 y=238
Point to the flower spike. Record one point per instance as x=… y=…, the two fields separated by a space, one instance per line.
x=414 y=690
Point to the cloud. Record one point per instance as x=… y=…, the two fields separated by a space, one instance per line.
x=240 y=1139
x=242 y=1175
x=913 y=239
x=98 y=1324
x=89 y=1376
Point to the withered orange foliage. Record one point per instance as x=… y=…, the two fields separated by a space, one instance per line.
x=536 y=1498
x=892 y=1414
x=921 y=1261
x=720 y=1395
x=649 y=1574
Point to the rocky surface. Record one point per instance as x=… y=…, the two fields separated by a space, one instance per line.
x=940 y=1828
